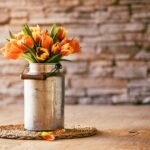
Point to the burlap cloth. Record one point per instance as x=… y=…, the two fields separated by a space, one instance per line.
x=18 y=132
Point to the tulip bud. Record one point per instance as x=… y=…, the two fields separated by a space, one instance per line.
x=56 y=48
x=47 y=41
x=62 y=33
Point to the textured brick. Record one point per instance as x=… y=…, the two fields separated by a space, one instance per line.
x=101 y=68
x=105 y=91
x=142 y=55
x=122 y=99
x=104 y=38
x=85 y=100
x=75 y=67
x=130 y=72
x=130 y=1
x=69 y=3
x=88 y=31
x=139 y=83
x=101 y=63
x=71 y=100
x=130 y=63
x=11 y=69
x=96 y=2
x=75 y=92
x=4 y=16
x=19 y=14
x=98 y=82
x=102 y=100
x=18 y=21
x=117 y=28
x=85 y=56
x=139 y=91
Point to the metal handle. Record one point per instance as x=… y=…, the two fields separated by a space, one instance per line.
x=41 y=76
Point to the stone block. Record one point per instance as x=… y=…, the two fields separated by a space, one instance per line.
x=98 y=2
x=104 y=38
x=83 y=31
x=88 y=48
x=142 y=55
x=85 y=82
x=20 y=21
x=101 y=68
x=4 y=16
x=130 y=72
x=105 y=91
x=100 y=63
x=71 y=100
x=69 y=3
x=130 y=1
x=117 y=28
x=130 y=63
x=84 y=56
x=19 y=14
x=137 y=83
x=102 y=100
x=75 y=67
x=101 y=72
x=85 y=100
x=120 y=99
x=139 y=91
x=75 y=92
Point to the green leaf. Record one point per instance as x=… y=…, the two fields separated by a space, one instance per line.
x=24 y=31
x=54 y=33
x=28 y=57
x=31 y=50
x=56 y=36
x=11 y=35
x=54 y=59
x=65 y=60
x=27 y=31
x=53 y=30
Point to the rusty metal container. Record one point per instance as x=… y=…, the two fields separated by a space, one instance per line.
x=43 y=97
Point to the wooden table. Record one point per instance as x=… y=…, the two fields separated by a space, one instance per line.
x=120 y=128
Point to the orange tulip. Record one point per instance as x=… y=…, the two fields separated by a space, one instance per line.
x=65 y=42
x=75 y=45
x=56 y=48
x=47 y=41
x=70 y=47
x=25 y=39
x=12 y=50
x=62 y=33
x=66 y=49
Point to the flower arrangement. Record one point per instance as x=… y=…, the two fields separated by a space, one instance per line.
x=38 y=46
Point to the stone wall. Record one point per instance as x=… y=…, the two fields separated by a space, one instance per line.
x=114 y=65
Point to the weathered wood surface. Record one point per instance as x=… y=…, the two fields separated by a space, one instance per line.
x=120 y=128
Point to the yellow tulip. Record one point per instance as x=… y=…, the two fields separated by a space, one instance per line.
x=42 y=53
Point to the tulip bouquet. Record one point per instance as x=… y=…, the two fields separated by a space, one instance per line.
x=38 y=46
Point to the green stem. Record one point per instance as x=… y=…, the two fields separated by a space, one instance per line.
x=54 y=58
x=31 y=51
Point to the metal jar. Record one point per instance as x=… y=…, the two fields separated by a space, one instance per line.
x=43 y=97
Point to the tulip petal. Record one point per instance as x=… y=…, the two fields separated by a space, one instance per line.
x=49 y=136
